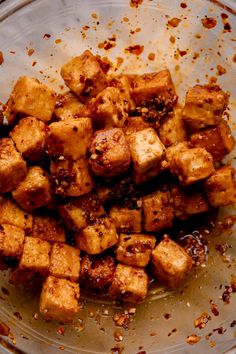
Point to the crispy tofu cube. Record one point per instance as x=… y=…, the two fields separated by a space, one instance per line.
x=133 y=125
x=84 y=75
x=35 y=256
x=12 y=214
x=170 y=262
x=97 y=237
x=11 y=241
x=34 y=191
x=110 y=155
x=32 y=98
x=110 y=108
x=125 y=219
x=173 y=129
x=191 y=165
x=130 y=284
x=218 y=141
x=204 y=106
x=158 y=211
x=29 y=136
x=135 y=249
x=152 y=85
x=97 y=271
x=64 y=262
x=12 y=166
x=59 y=300
x=48 y=228
x=69 y=138
x=68 y=106
x=123 y=83
x=188 y=201
x=71 y=178
x=221 y=187
x=79 y=212
x=147 y=152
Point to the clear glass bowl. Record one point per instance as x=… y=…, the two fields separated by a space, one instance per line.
x=23 y=25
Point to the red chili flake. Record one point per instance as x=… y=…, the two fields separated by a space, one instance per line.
x=226 y=24
x=226 y=294
x=209 y=22
x=135 y=3
x=46 y=36
x=30 y=52
x=201 y=321
x=151 y=56
x=182 y=52
x=193 y=339
x=233 y=283
x=166 y=316
x=220 y=70
x=219 y=330
x=34 y=63
x=61 y=331
x=233 y=324
x=135 y=49
x=214 y=308
x=183 y=5
x=1 y=58
x=174 y=22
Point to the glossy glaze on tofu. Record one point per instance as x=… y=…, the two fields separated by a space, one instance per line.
x=99 y=182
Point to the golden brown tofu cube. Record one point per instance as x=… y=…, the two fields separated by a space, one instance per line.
x=147 y=152
x=188 y=202
x=97 y=237
x=69 y=138
x=68 y=106
x=135 y=249
x=133 y=125
x=173 y=129
x=35 y=256
x=110 y=108
x=191 y=165
x=221 y=187
x=29 y=136
x=218 y=141
x=11 y=241
x=204 y=106
x=158 y=211
x=170 y=262
x=48 y=228
x=12 y=166
x=97 y=271
x=59 y=300
x=32 y=98
x=123 y=83
x=125 y=219
x=12 y=214
x=110 y=155
x=130 y=284
x=71 y=178
x=152 y=85
x=84 y=75
x=34 y=191
x=64 y=262
x=79 y=212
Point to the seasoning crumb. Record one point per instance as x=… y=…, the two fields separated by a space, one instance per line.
x=174 y=22
x=214 y=308
x=151 y=56
x=58 y=41
x=212 y=343
x=201 y=321
x=220 y=70
x=234 y=58
x=172 y=39
x=135 y=3
x=183 y=5
x=4 y=329
x=135 y=49
x=61 y=331
x=94 y=15
x=193 y=339
x=122 y=320
x=166 y=316
x=209 y=22
x=118 y=336
x=30 y=51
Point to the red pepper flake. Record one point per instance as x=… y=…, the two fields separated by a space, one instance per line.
x=233 y=324
x=214 y=308
x=226 y=24
x=12 y=52
x=166 y=316
x=34 y=63
x=182 y=52
x=183 y=5
x=201 y=321
x=85 y=28
x=226 y=294
x=172 y=39
x=61 y=331
x=58 y=41
x=122 y=320
x=174 y=22
x=30 y=52
x=193 y=339
x=151 y=56
x=233 y=283
x=107 y=45
x=219 y=330
x=209 y=22
x=135 y=49
x=220 y=70
x=142 y=352
x=1 y=58
x=135 y=3
x=46 y=36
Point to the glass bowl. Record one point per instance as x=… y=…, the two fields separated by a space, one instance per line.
x=37 y=37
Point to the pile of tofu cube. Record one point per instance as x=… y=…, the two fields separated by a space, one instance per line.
x=77 y=166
